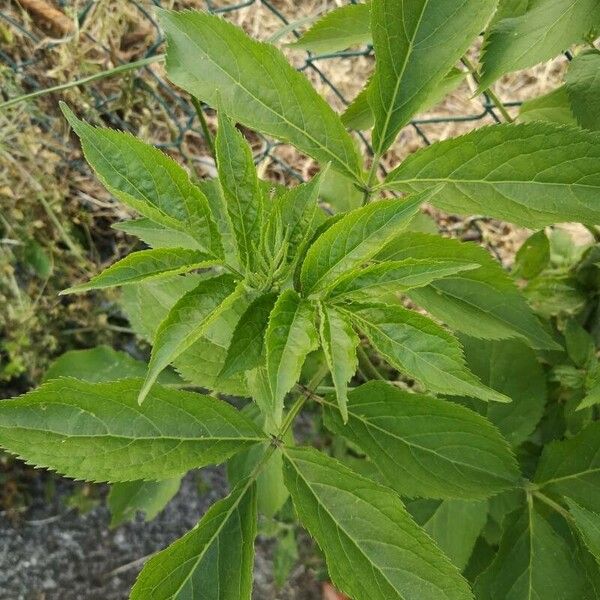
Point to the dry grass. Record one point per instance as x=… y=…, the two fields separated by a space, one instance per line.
x=49 y=201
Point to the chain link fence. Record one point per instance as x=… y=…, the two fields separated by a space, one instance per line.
x=148 y=83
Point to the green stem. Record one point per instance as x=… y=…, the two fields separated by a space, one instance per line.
x=368 y=368
x=371 y=178
x=497 y=102
x=554 y=505
x=205 y=130
x=84 y=80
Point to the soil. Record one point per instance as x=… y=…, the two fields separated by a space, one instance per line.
x=52 y=552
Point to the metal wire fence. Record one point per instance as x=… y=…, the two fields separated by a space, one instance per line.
x=180 y=113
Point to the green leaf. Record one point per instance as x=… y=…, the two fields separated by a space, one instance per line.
x=216 y=61
x=213 y=560
x=248 y=341
x=239 y=183
x=579 y=343
x=510 y=8
x=509 y=367
x=291 y=336
x=545 y=30
x=356 y=238
x=416 y=44
x=340 y=192
x=148 y=181
x=392 y=277
x=533 y=174
x=359 y=114
x=102 y=363
x=285 y=556
x=454 y=525
x=339 y=343
x=156 y=235
x=583 y=88
x=339 y=29
x=588 y=526
x=533 y=256
x=418 y=347
x=483 y=303
x=150 y=497
x=374 y=550
x=146 y=265
x=98 y=432
x=188 y=321
x=532 y=562
x=424 y=446
x=572 y=467
x=553 y=107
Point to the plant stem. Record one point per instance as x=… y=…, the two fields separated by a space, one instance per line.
x=497 y=102
x=371 y=178
x=84 y=80
x=554 y=505
x=205 y=130
x=368 y=368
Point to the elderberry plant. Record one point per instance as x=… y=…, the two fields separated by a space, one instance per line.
x=466 y=464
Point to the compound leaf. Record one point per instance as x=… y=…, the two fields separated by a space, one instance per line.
x=374 y=550
x=532 y=174
x=545 y=30
x=339 y=343
x=291 y=336
x=253 y=82
x=98 y=432
x=416 y=44
x=339 y=29
x=424 y=446
x=483 y=303
x=420 y=348
x=213 y=560
x=148 y=181
x=355 y=238
x=146 y=265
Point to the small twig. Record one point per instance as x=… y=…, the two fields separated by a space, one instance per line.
x=205 y=130
x=127 y=566
x=497 y=102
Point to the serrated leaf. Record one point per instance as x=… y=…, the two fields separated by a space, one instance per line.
x=98 y=432
x=148 y=304
x=579 y=343
x=532 y=174
x=454 y=525
x=418 y=347
x=509 y=367
x=248 y=341
x=424 y=446
x=291 y=336
x=156 y=235
x=149 y=497
x=510 y=8
x=582 y=83
x=359 y=114
x=588 y=526
x=483 y=303
x=374 y=550
x=148 y=181
x=416 y=44
x=356 y=238
x=339 y=29
x=548 y=28
x=216 y=61
x=572 y=467
x=215 y=559
x=146 y=265
x=533 y=256
x=340 y=192
x=553 y=107
x=188 y=321
x=339 y=343
x=240 y=186
x=393 y=277
x=532 y=562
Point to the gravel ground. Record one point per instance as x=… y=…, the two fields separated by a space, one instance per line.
x=54 y=553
